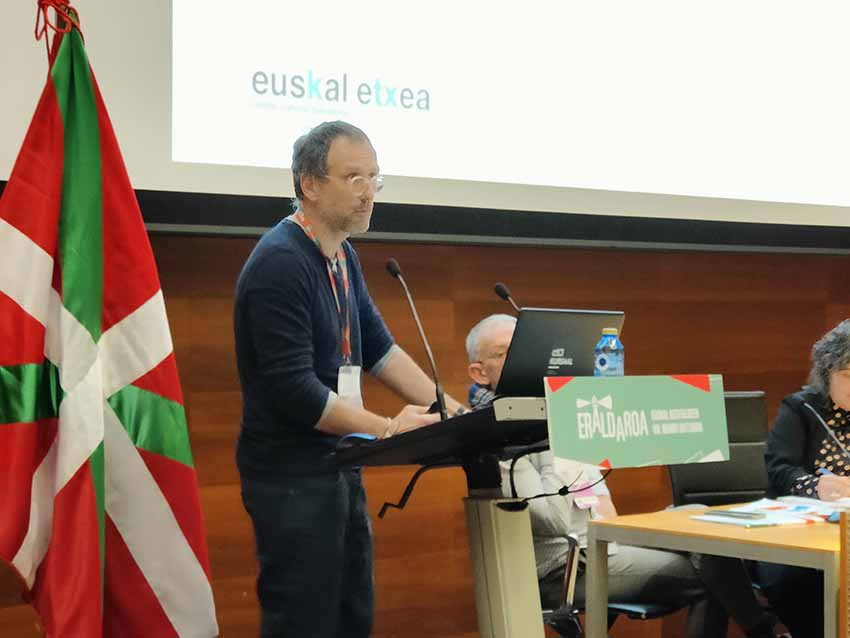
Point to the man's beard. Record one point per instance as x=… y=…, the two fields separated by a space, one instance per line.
x=353 y=223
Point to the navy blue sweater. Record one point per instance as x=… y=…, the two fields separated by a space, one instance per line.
x=288 y=351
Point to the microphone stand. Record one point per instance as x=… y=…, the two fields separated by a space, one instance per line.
x=395 y=270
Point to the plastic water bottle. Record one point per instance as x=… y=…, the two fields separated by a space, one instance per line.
x=610 y=356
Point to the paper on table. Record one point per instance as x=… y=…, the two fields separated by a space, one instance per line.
x=770 y=520
x=837 y=504
x=774 y=513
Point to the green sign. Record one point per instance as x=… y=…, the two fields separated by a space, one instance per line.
x=637 y=421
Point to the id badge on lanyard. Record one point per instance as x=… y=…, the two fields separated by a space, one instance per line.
x=585 y=499
x=348 y=379
x=348 y=384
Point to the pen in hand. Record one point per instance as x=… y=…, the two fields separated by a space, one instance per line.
x=830 y=486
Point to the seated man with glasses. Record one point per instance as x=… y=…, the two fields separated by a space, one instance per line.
x=712 y=586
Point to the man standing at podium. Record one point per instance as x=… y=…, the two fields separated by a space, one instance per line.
x=713 y=587
x=305 y=326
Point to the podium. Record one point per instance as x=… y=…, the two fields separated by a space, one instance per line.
x=506 y=591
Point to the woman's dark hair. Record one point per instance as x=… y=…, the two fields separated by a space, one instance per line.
x=830 y=353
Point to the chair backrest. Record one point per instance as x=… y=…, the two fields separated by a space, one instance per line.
x=743 y=477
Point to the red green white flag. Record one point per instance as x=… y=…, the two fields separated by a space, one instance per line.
x=99 y=506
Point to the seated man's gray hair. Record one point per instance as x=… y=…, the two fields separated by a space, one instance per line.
x=474 y=337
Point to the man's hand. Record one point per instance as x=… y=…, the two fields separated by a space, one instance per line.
x=454 y=407
x=410 y=418
x=401 y=375
x=832 y=487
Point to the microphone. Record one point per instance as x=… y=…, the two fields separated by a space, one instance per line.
x=502 y=290
x=828 y=431
x=395 y=270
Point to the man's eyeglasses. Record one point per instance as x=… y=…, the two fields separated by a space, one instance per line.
x=359 y=185
x=500 y=354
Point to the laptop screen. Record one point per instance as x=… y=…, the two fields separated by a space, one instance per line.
x=550 y=342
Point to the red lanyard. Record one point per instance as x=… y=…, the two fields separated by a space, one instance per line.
x=345 y=321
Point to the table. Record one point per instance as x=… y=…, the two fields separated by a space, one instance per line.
x=817 y=545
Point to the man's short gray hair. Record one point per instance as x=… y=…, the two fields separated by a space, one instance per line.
x=310 y=152
x=830 y=354
x=473 y=339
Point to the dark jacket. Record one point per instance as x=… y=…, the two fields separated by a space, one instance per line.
x=794 y=441
x=288 y=351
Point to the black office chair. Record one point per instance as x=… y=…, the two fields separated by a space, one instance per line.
x=564 y=619
x=740 y=479
x=743 y=477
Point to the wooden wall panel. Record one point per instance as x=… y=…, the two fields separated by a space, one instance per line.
x=751 y=317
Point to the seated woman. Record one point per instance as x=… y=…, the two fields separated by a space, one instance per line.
x=807 y=455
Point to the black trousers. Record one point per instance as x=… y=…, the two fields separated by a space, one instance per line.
x=796 y=595
x=314 y=547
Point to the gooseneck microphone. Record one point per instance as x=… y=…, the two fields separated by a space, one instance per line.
x=502 y=290
x=395 y=270
x=829 y=431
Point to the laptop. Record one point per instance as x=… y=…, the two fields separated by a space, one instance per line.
x=551 y=342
